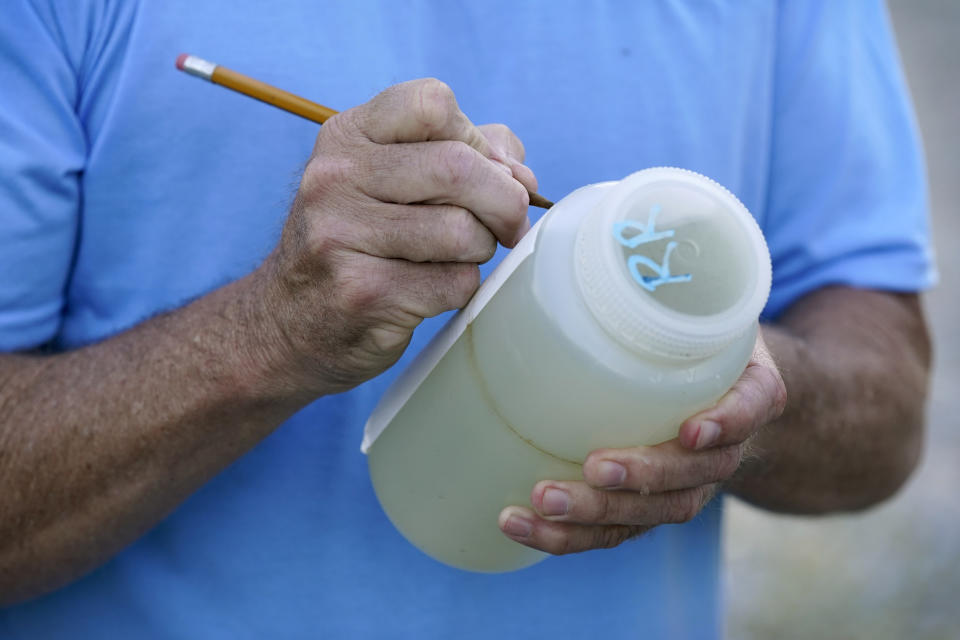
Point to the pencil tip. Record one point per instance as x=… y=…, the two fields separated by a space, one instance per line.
x=180 y=60
x=538 y=200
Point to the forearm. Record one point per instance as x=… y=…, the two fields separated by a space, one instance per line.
x=98 y=444
x=855 y=364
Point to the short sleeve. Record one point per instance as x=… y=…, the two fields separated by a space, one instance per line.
x=847 y=200
x=42 y=156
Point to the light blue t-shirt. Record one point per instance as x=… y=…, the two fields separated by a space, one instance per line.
x=127 y=188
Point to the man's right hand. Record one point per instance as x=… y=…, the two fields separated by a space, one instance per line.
x=401 y=200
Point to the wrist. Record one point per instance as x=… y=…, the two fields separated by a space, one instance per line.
x=266 y=362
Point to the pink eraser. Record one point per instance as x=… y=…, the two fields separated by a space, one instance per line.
x=180 y=60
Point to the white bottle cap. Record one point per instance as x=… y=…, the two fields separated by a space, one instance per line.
x=671 y=263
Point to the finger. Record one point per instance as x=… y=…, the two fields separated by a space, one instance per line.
x=399 y=292
x=418 y=233
x=758 y=398
x=559 y=538
x=447 y=173
x=524 y=175
x=664 y=467
x=580 y=503
x=417 y=111
x=431 y=288
x=426 y=109
x=507 y=145
x=509 y=150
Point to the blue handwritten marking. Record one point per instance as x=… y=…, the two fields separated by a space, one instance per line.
x=662 y=270
x=648 y=233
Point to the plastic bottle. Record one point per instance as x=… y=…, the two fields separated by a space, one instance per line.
x=630 y=306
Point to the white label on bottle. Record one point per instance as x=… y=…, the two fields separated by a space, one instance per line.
x=404 y=386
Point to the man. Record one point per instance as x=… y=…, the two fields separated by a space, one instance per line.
x=185 y=384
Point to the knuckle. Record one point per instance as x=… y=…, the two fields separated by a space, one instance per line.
x=319 y=242
x=515 y=204
x=466 y=282
x=558 y=542
x=457 y=162
x=727 y=461
x=704 y=495
x=521 y=202
x=609 y=537
x=339 y=128
x=314 y=237
x=358 y=291
x=603 y=508
x=434 y=103
x=779 y=392
x=683 y=506
x=507 y=139
x=461 y=226
x=471 y=281
x=566 y=545
x=497 y=134
x=486 y=252
x=651 y=474
x=385 y=340
x=497 y=130
x=324 y=175
x=560 y=547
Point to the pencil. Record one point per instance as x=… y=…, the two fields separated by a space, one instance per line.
x=218 y=74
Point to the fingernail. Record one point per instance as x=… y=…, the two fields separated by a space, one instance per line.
x=555 y=502
x=709 y=432
x=517 y=526
x=611 y=474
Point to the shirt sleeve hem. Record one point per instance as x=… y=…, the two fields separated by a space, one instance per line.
x=862 y=272
x=25 y=329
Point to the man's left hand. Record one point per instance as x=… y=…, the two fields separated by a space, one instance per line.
x=626 y=492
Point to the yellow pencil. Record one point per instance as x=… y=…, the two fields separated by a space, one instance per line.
x=279 y=98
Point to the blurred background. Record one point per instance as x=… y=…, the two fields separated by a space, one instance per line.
x=894 y=571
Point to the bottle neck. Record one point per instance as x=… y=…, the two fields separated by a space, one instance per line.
x=672 y=264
